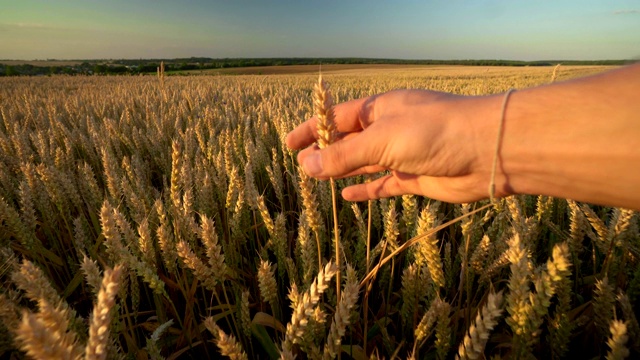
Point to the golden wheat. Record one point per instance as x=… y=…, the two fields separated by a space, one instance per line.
x=188 y=182
x=102 y=313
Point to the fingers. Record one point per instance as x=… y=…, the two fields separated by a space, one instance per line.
x=383 y=187
x=350 y=116
x=454 y=190
x=355 y=115
x=368 y=169
x=352 y=155
x=303 y=135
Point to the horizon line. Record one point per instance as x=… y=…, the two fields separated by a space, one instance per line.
x=314 y=58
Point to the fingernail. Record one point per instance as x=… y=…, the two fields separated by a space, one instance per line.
x=313 y=164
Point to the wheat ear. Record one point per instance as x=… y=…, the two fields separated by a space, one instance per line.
x=46 y=334
x=323 y=107
x=341 y=317
x=628 y=312
x=267 y=284
x=475 y=340
x=518 y=304
x=152 y=342
x=617 y=341
x=304 y=309
x=226 y=343
x=603 y=304
x=428 y=250
x=101 y=318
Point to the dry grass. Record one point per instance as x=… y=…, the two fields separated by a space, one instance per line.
x=189 y=185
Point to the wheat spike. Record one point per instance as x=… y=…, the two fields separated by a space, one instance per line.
x=306 y=251
x=304 y=310
x=603 y=303
x=323 y=108
x=226 y=343
x=209 y=237
x=245 y=315
x=429 y=319
x=9 y=311
x=518 y=304
x=554 y=75
x=427 y=249
x=391 y=230
x=267 y=283
x=599 y=226
x=202 y=272
x=152 y=342
x=409 y=213
x=631 y=320
x=341 y=317
x=91 y=273
x=45 y=335
x=479 y=255
x=266 y=218
x=310 y=207
x=145 y=243
x=34 y=282
x=617 y=341
x=475 y=340
x=96 y=348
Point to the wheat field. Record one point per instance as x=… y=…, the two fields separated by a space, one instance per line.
x=164 y=218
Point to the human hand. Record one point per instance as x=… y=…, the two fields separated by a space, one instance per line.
x=433 y=143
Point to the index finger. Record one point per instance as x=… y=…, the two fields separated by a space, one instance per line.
x=350 y=116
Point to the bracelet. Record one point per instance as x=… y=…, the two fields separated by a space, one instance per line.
x=492 y=183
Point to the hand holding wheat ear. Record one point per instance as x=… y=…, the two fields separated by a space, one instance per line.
x=442 y=146
x=406 y=132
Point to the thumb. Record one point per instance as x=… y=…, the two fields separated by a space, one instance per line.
x=342 y=157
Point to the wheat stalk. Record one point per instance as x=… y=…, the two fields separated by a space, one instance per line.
x=371 y=274
x=323 y=107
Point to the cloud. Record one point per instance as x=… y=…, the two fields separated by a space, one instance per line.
x=29 y=25
x=21 y=26
x=626 y=12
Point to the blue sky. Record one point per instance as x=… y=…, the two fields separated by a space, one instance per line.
x=442 y=29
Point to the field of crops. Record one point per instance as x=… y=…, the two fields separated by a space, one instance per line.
x=164 y=218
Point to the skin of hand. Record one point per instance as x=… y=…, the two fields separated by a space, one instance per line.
x=416 y=134
x=578 y=139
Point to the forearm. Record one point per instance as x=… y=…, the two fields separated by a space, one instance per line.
x=578 y=139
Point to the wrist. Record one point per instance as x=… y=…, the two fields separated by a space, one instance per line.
x=481 y=122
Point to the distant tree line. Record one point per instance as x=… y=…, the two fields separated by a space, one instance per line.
x=144 y=66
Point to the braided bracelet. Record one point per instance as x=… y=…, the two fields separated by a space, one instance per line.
x=492 y=183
